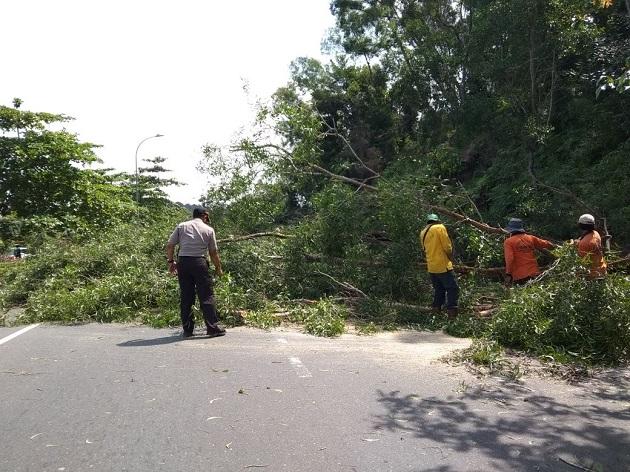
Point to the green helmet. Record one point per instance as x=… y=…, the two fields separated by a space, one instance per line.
x=433 y=217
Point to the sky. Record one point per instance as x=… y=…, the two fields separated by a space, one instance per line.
x=127 y=70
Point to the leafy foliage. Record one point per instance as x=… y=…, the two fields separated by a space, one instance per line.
x=568 y=316
x=46 y=185
x=325 y=318
x=117 y=276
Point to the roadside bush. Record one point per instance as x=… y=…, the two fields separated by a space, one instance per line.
x=568 y=316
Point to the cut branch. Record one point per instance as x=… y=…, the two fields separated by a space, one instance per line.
x=344 y=285
x=253 y=236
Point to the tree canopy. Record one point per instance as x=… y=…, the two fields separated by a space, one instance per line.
x=516 y=104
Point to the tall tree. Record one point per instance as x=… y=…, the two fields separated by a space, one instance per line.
x=46 y=172
x=152 y=182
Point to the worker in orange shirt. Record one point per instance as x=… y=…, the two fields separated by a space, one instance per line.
x=519 y=250
x=589 y=245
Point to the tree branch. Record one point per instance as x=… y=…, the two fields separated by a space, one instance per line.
x=464 y=219
x=470 y=200
x=286 y=154
x=342 y=178
x=340 y=260
x=332 y=131
x=619 y=262
x=462 y=269
x=344 y=285
x=444 y=211
x=252 y=236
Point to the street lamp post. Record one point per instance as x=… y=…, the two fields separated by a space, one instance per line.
x=137 y=181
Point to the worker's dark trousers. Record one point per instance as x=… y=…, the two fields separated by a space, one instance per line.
x=445 y=288
x=193 y=273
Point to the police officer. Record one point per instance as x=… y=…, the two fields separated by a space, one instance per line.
x=196 y=239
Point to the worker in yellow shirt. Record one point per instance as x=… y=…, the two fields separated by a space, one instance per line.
x=438 y=249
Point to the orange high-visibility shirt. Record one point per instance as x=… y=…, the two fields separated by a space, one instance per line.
x=591 y=245
x=520 y=260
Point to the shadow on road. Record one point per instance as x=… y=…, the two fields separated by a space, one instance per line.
x=514 y=428
x=152 y=342
x=613 y=385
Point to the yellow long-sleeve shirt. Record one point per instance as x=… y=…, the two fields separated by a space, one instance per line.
x=437 y=247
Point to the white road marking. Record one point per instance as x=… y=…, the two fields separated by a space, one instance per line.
x=17 y=333
x=301 y=370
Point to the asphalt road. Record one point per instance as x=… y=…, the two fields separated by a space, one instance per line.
x=127 y=398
